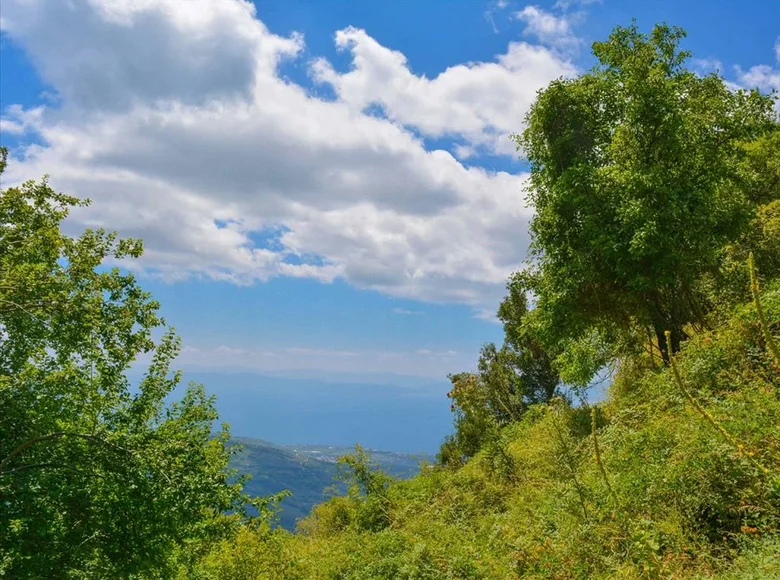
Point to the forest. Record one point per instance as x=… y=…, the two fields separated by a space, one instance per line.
x=654 y=266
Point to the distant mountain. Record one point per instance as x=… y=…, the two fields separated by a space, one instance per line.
x=306 y=471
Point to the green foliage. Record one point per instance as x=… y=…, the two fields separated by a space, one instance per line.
x=367 y=486
x=668 y=496
x=529 y=362
x=97 y=479
x=760 y=168
x=306 y=471
x=651 y=186
x=636 y=184
x=474 y=420
x=510 y=379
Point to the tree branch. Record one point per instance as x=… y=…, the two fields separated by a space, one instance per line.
x=57 y=435
x=37 y=466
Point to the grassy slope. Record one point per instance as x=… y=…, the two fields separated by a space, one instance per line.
x=679 y=500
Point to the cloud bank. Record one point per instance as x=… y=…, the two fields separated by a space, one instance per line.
x=174 y=119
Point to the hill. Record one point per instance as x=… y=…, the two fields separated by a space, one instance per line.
x=307 y=471
x=673 y=476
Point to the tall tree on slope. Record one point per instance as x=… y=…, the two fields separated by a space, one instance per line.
x=635 y=186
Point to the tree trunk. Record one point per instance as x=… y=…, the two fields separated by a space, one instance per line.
x=663 y=320
x=677 y=336
x=661 y=337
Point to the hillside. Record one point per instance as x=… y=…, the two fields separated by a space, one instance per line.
x=683 y=484
x=306 y=471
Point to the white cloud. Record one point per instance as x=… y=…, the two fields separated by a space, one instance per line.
x=173 y=118
x=430 y=362
x=566 y=4
x=492 y=9
x=320 y=352
x=763 y=76
x=487 y=314
x=549 y=29
x=18 y=121
x=705 y=66
x=224 y=350
x=481 y=102
x=11 y=127
x=426 y=352
x=111 y=54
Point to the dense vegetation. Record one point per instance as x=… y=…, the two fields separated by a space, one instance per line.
x=655 y=260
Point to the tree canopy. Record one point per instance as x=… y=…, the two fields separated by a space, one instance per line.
x=98 y=477
x=636 y=189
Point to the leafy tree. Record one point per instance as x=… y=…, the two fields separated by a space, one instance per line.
x=474 y=420
x=532 y=363
x=97 y=479
x=367 y=485
x=509 y=379
x=634 y=179
x=760 y=169
x=760 y=176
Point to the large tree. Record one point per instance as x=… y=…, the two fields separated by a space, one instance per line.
x=634 y=179
x=97 y=479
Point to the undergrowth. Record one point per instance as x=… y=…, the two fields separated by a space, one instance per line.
x=666 y=496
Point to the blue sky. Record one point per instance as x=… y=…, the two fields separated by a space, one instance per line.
x=320 y=185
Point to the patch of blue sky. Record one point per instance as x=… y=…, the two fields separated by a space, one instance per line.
x=294 y=312
x=20 y=85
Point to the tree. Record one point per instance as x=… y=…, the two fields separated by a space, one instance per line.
x=539 y=380
x=367 y=487
x=97 y=478
x=474 y=420
x=636 y=189
x=509 y=379
x=760 y=175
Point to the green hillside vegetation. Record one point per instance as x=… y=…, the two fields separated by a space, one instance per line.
x=307 y=472
x=675 y=499
x=655 y=260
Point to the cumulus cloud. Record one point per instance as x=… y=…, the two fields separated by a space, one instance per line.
x=763 y=76
x=173 y=118
x=481 y=102
x=111 y=54
x=550 y=30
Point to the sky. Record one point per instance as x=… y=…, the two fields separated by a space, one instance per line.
x=322 y=185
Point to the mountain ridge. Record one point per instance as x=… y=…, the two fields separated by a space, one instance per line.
x=307 y=471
